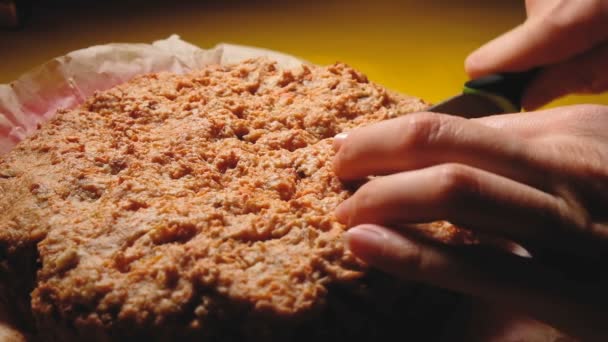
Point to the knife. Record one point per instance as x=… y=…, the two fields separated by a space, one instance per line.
x=488 y=95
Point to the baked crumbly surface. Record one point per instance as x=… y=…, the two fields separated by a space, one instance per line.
x=199 y=207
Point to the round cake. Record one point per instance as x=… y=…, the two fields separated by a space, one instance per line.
x=200 y=207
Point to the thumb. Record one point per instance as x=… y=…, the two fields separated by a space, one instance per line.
x=557 y=34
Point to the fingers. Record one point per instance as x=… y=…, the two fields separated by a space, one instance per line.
x=581 y=74
x=552 y=34
x=443 y=266
x=525 y=125
x=462 y=195
x=423 y=139
x=573 y=121
x=506 y=280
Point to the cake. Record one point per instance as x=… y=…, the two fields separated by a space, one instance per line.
x=200 y=207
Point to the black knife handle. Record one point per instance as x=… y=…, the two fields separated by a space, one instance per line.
x=508 y=85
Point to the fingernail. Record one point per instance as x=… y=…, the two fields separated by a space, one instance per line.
x=364 y=241
x=342 y=212
x=339 y=140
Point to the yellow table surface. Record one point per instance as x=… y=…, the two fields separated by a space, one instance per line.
x=416 y=47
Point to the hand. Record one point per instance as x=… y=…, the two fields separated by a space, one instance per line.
x=568 y=38
x=537 y=179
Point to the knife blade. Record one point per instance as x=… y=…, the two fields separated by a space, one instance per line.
x=488 y=95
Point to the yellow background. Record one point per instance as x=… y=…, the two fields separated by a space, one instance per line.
x=416 y=47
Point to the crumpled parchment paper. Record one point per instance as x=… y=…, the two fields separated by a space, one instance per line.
x=66 y=81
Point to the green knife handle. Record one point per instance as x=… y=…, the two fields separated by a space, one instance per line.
x=504 y=88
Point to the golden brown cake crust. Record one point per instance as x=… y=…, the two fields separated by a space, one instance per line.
x=173 y=202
